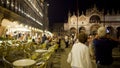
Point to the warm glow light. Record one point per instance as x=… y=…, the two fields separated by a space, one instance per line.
x=48 y=33
x=21 y=25
x=26 y=26
x=8 y=2
x=30 y=27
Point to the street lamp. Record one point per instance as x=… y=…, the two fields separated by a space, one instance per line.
x=77 y=18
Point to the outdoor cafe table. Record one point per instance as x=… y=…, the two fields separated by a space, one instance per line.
x=41 y=50
x=24 y=62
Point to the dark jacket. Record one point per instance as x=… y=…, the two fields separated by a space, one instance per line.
x=103 y=50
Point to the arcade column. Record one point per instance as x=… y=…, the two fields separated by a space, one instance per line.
x=2 y=28
x=1 y=17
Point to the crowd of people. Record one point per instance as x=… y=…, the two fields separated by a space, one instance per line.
x=93 y=50
x=88 y=51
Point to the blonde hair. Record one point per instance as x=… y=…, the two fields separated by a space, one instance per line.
x=101 y=31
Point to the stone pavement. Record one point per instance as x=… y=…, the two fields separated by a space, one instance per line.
x=116 y=57
x=60 y=59
x=64 y=56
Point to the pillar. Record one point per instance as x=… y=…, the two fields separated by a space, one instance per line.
x=2 y=28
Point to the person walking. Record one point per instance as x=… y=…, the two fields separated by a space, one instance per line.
x=66 y=41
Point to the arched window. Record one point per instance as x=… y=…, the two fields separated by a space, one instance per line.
x=81 y=28
x=73 y=30
x=94 y=19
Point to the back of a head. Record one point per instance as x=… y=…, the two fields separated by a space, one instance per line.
x=82 y=37
x=101 y=31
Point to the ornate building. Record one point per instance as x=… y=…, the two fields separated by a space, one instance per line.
x=30 y=13
x=91 y=20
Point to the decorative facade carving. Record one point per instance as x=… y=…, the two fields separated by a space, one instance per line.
x=92 y=17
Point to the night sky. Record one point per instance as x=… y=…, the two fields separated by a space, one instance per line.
x=58 y=9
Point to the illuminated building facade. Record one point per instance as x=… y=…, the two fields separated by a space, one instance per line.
x=92 y=19
x=32 y=13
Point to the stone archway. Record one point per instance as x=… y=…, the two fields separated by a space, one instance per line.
x=93 y=29
x=73 y=30
x=82 y=28
x=1 y=18
x=2 y=28
x=94 y=19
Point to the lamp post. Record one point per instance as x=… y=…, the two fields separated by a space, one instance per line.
x=77 y=18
